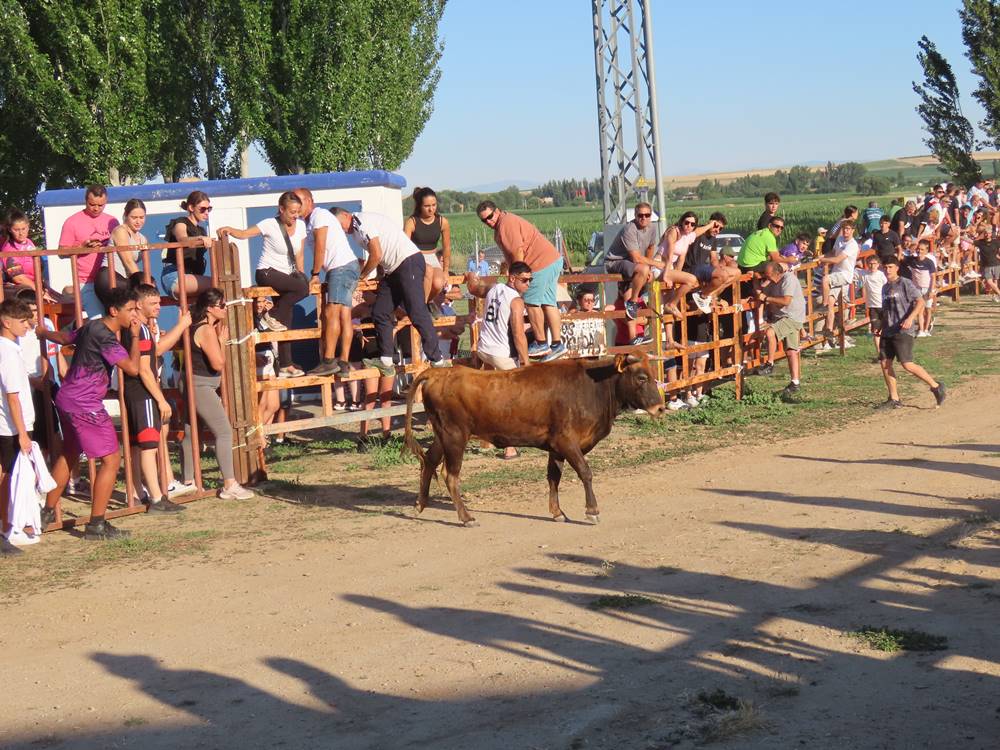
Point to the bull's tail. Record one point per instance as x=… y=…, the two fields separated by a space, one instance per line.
x=410 y=443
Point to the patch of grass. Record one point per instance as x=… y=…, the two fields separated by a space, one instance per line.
x=891 y=640
x=979 y=518
x=607 y=568
x=387 y=452
x=134 y=721
x=725 y=716
x=620 y=601
x=163 y=544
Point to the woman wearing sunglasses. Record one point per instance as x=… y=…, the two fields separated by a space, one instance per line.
x=198 y=206
x=672 y=249
x=208 y=331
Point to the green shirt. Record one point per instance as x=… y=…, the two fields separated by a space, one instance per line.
x=757 y=248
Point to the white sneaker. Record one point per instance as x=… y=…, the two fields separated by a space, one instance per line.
x=20 y=539
x=692 y=401
x=177 y=489
x=236 y=492
x=676 y=405
x=848 y=344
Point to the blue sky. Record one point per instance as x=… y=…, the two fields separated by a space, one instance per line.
x=740 y=85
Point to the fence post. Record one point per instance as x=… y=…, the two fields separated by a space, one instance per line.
x=738 y=336
x=657 y=323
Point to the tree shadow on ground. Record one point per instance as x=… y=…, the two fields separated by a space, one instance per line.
x=982 y=471
x=614 y=675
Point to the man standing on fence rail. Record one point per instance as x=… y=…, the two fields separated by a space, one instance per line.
x=786 y=313
x=520 y=240
x=333 y=257
x=402 y=283
x=902 y=305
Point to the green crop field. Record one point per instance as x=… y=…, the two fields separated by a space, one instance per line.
x=805 y=213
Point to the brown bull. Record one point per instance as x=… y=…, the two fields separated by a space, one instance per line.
x=565 y=407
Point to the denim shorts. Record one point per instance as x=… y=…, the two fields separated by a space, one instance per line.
x=542 y=289
x=341 y=283
x=168 y=277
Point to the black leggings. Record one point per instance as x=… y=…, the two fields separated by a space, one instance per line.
x=103 y=288
x=290 y=290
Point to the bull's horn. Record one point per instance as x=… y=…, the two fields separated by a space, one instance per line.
x=620 y=362
x=632 y=359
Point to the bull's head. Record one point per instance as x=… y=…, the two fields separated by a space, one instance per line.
x=636 y=386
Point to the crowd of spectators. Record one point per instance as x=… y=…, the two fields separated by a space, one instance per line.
x=947 y=228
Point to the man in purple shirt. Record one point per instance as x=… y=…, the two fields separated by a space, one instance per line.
x=90 y=227
x=86 y=424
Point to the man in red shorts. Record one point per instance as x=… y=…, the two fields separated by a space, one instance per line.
x=86 y=424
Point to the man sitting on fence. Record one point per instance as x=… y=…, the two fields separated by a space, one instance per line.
x=402 y=283
x=631 y=255
x=781 y=292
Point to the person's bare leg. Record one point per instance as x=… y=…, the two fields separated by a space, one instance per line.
x=437 y=282
x=792 y=355
x=920 y=373
x=385 y=400
x=61 y=471
x=553 y=321
x=150 y=473
x=371 y=396
x=890 y=379
x=104 y=483
x=537 y=319
x=346 y=332
x=331 y=331
x=640 y=277
x=772 y=344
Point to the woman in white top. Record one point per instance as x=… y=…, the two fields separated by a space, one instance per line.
x=125 y=262
x=280 y=267
x=673 y=249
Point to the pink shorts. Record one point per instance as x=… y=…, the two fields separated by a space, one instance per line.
x=92 y=433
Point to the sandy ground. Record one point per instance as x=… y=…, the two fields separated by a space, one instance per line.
x=381 y=631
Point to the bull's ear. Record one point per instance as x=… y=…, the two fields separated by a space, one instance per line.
x=620 y=361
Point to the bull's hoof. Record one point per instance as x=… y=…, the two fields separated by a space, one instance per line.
x=561 y=518
x=419 y=507
x=471 y=523
x=593 y=518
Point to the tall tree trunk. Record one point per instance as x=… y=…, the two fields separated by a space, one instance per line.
x=245 y=161
x=114 y=177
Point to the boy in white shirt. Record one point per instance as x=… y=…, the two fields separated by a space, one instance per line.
x=874 y=280
x=17 y=411
x=839 y=272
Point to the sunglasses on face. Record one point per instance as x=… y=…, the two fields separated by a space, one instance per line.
x=485 y=219
x=525 y=279
x=203 y=209
x=779 y=227
x=643 y=216
x=688 y=223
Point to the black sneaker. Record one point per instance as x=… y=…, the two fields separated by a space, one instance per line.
x=889 y=404
x=345 y=367
x=9 y=550
x=48 y=516
x=631 y=309
x=326 y=367
x=766 y=369
x=939 y=393
x=164 y=505
x=103 y=531
x=791 y=388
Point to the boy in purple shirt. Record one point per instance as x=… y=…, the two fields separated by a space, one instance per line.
x=86 y=424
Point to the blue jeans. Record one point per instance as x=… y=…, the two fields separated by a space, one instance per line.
x=341 y=283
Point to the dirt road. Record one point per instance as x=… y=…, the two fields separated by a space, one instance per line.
x=380 y=631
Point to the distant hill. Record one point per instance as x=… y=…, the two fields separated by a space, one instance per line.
x=914 y=168
x=498 y=185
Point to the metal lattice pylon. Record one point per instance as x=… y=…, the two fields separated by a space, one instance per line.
x=626 y=106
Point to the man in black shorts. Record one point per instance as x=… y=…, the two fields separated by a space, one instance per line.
x=145 y=404
x=902 y=304
x=631 y=255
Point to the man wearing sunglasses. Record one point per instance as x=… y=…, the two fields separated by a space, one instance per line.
x=632 y=255
x=520 y=240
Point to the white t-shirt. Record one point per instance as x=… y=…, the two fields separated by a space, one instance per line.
x=494 y=331
x=848 y=248
x=14 y=379
x=31 y=350
x=275 y=253
x=396 y=246
x=338 y=251
x=873 y=288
